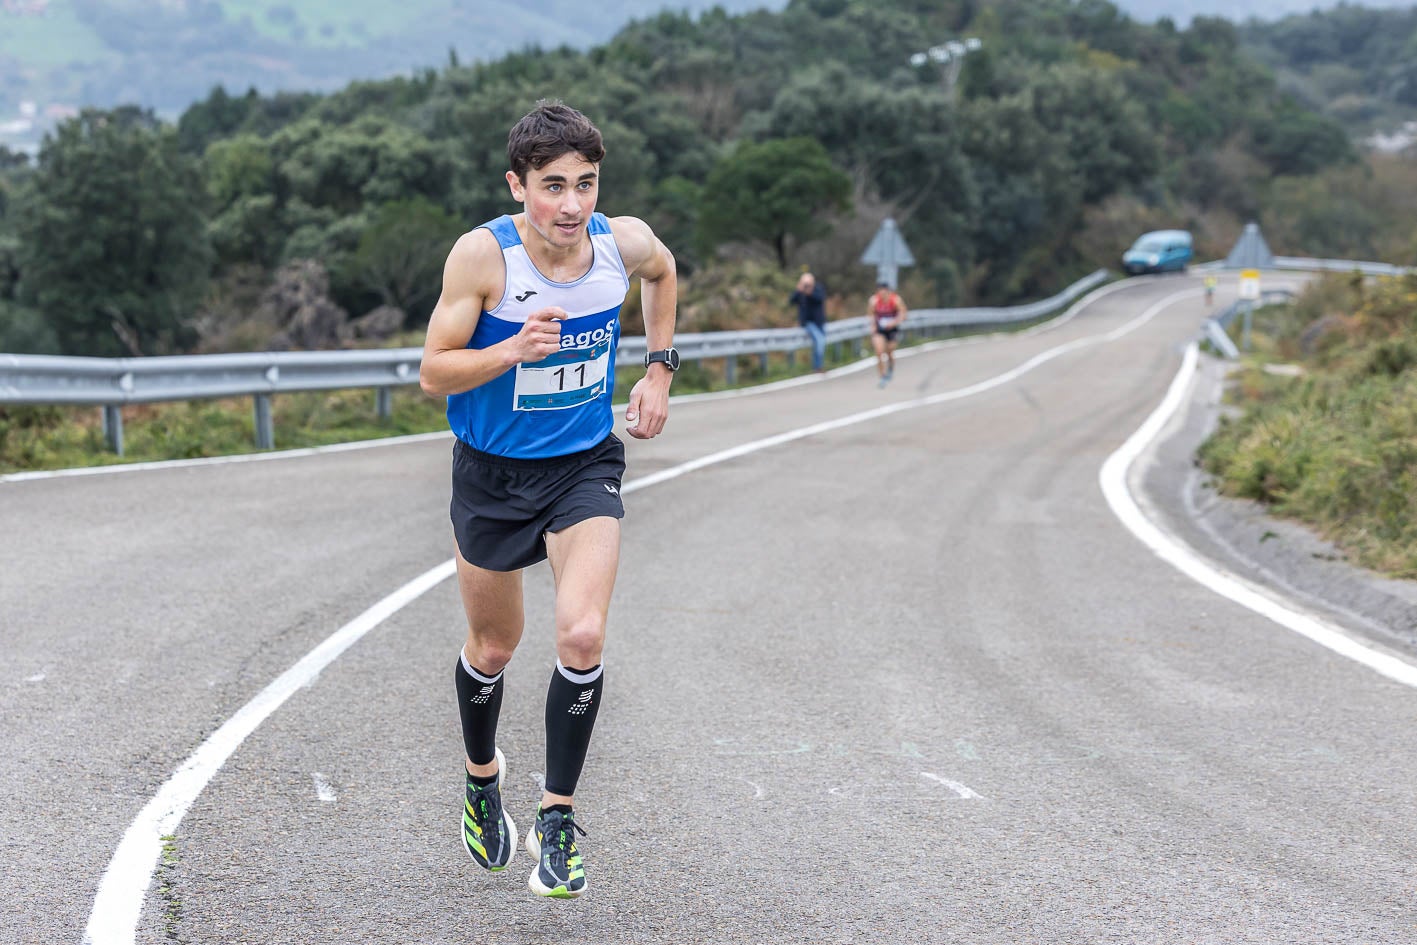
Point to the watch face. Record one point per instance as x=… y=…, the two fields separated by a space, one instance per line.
x=673 y=359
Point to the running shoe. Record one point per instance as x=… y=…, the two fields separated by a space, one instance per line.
x=560 y=871
x=488 y=833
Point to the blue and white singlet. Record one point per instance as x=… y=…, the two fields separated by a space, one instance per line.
x=561 y=404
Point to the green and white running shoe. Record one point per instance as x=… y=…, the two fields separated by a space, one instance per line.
x=488 y=833
x=559 y=871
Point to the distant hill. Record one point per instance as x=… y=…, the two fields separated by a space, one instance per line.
x=59 y=55
x=1356 y=64
x=1237 y=11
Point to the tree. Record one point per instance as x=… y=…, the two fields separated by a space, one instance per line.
x=344 y=168
x=400 y=256
x=241 y=186
x=772 y=191
x=112 y=237
x=1296 y=141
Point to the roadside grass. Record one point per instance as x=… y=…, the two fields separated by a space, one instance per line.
x=1334 y=446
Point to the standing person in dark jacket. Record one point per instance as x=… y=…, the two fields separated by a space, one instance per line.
x=810 y=299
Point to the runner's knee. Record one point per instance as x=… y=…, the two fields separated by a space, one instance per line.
x=489 y=656
x=580 y=638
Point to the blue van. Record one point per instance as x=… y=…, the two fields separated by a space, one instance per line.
x=1159 y=251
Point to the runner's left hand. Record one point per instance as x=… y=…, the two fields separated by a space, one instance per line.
x=648 y=408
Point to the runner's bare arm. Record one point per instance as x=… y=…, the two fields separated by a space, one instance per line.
x=645 y=256
x=473 y=277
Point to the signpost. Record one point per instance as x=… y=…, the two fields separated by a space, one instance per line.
x=1249 y=295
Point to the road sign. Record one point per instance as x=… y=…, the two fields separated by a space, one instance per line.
x=1250 y=251
x=888 y=252
x=1249 y=284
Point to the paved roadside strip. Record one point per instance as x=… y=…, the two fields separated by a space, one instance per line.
x=1240 y=536
x=1264 y=601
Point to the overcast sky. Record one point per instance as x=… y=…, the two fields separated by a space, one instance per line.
x=1239 y=10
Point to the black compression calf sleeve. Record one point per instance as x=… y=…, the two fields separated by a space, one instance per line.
x=479 y=703
x=572 y=702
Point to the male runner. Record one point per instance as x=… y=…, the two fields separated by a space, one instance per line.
x=886 y=311
x=522 y=342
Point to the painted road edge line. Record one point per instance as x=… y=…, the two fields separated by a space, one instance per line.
x=962 y=791
x=123 y=887
x=1113 y=479
x=118 y=905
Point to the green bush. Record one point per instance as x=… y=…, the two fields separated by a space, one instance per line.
x=1336 y=448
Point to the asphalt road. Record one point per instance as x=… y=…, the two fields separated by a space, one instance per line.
x=906 y=679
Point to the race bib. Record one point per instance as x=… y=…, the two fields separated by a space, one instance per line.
x=568 y=378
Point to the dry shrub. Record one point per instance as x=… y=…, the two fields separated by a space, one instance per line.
x=231 y=318
x=735 y=295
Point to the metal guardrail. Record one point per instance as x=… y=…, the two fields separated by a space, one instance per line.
x=1217 y=327
x=1340 y=265
x=111 y=383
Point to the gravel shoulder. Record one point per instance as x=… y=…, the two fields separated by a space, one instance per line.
x=1241 y=536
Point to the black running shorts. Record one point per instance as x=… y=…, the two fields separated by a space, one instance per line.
x=888 y=333
x=502 y=508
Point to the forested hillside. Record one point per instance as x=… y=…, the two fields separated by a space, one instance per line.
x=165 y=54
x=1354 y=63
x=1068 y=131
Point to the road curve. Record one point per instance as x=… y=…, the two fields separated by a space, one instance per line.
x=903 y=679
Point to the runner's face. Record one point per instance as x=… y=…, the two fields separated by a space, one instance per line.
x=559 y=198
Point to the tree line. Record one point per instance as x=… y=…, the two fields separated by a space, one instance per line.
x=775 y=138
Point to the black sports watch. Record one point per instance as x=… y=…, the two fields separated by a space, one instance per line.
x=669 y=357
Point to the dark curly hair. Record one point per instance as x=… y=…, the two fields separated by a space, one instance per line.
x=548 y=131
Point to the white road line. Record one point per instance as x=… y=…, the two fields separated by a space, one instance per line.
x=323 y=790
x=757 y=791
x=118 y=904
x=220 y=460
x=955 y=786
x=120 y=893
x=825 y=426
x=1113 y=479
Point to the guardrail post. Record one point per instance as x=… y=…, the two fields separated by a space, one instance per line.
x=763 y=364
x=265 y=427
x=791 y=359
x=1215 y=331
x=384 y=402
x=730 y=369
x=113 y=427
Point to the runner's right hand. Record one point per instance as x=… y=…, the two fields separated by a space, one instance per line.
x=540 y=335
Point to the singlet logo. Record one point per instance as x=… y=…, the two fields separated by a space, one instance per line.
x=525 y=295
x=586 y=339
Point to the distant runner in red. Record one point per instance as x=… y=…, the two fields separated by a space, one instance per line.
x=887 y=312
